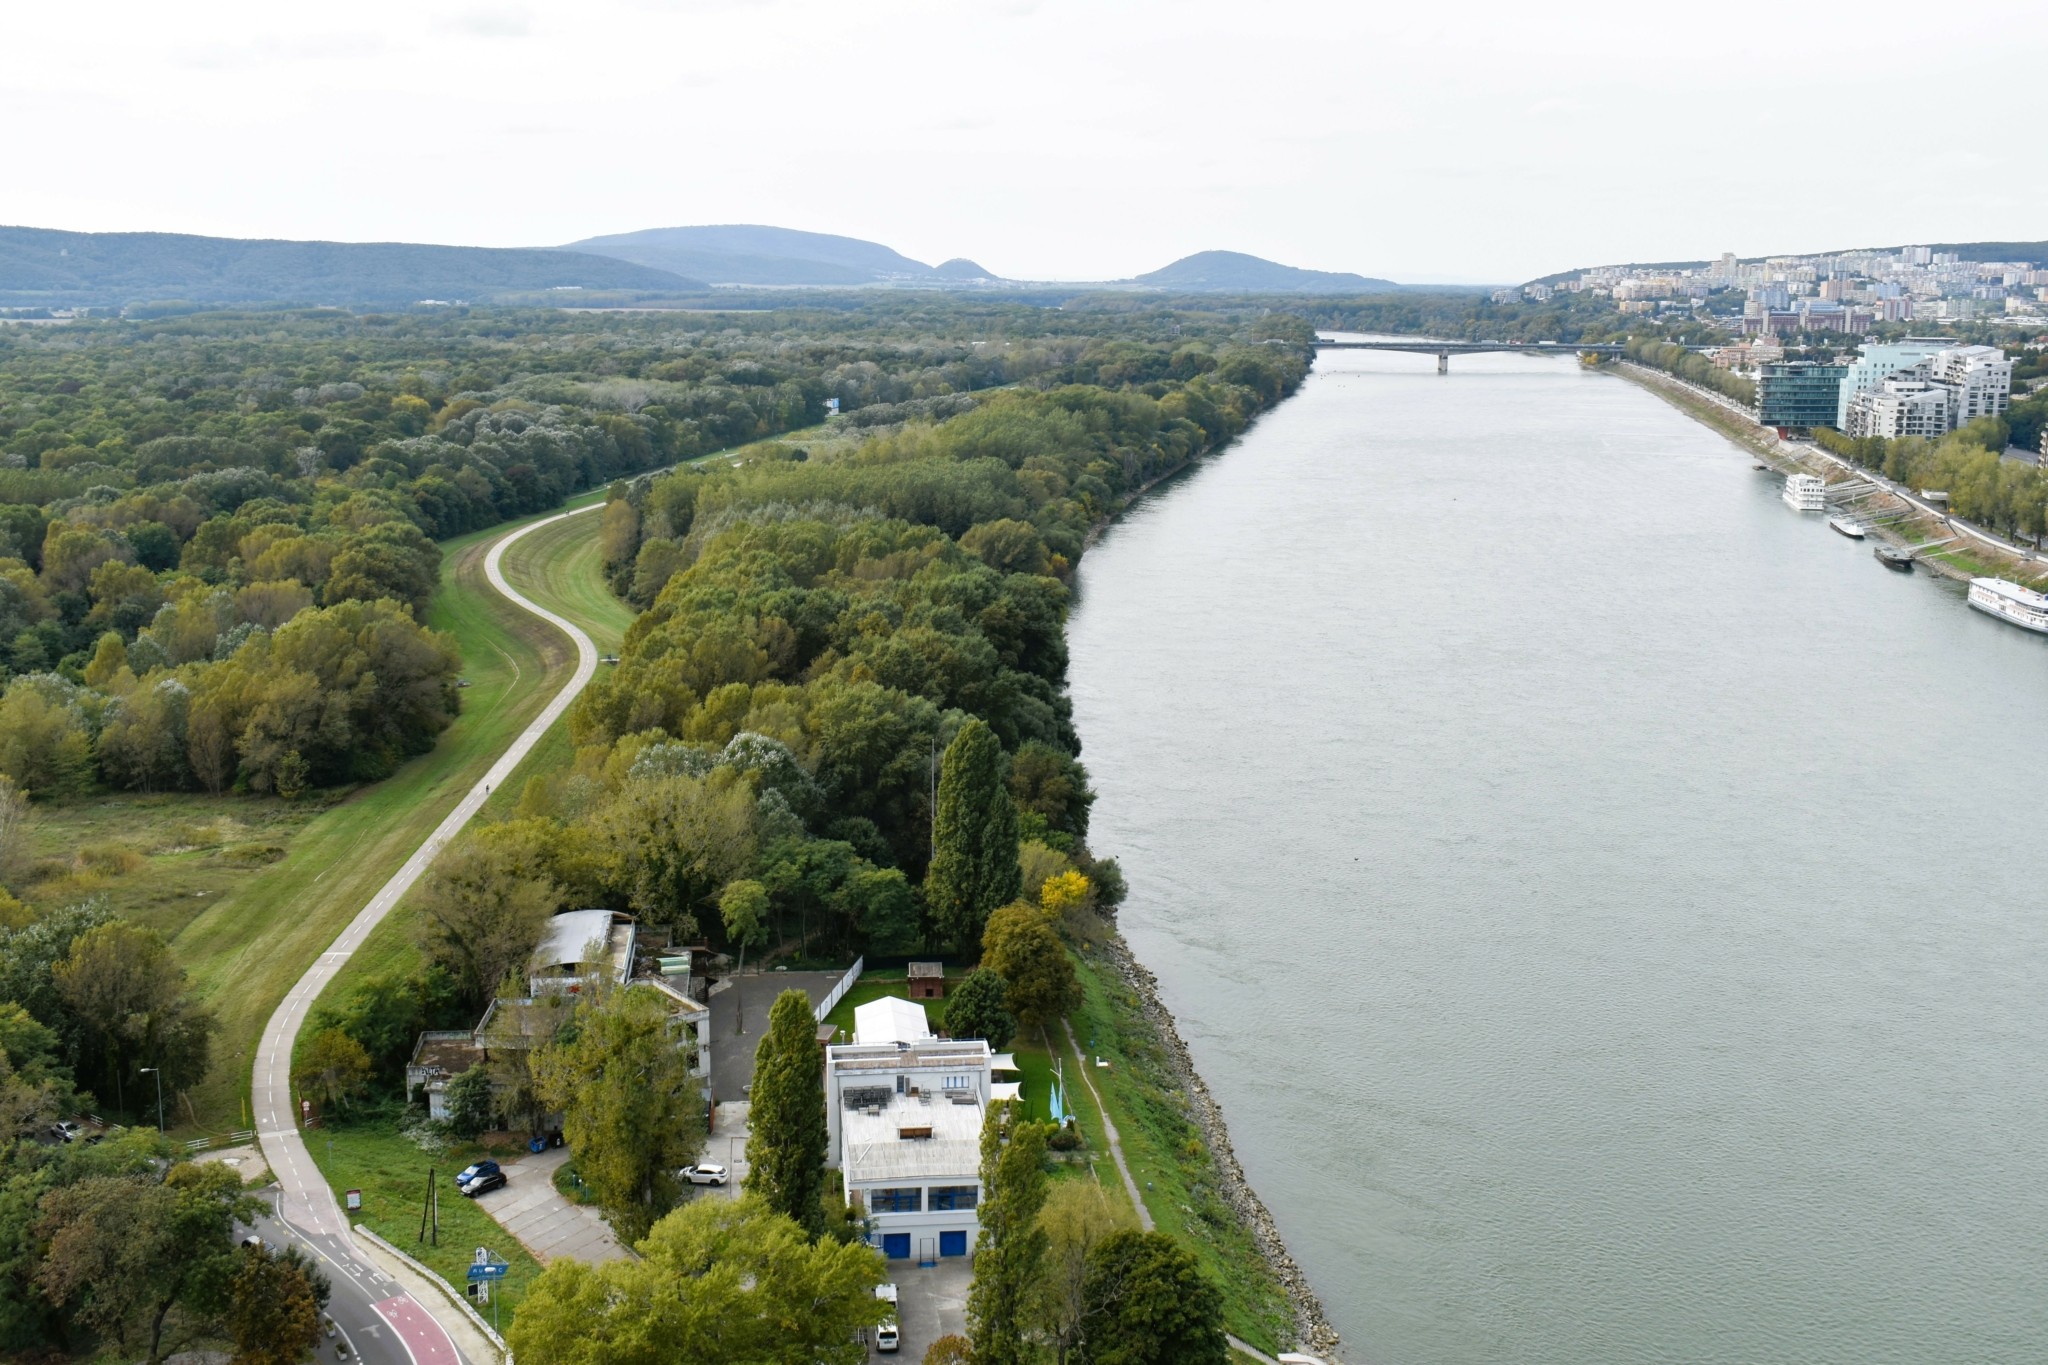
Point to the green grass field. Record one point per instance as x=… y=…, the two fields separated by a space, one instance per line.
x=391 y=1171
x=266 y=914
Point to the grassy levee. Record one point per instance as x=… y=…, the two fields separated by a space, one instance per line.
x=247 y=949
x=557 y=567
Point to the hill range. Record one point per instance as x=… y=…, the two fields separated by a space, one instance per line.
x=45 y=268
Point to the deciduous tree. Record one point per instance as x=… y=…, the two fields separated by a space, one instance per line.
x=1011 y=1245
x=976 y=1009
x=333 y=1066
x=1022 y=946
x=719 y=1280
x=787 y=1136
x=1146 y=1302
x=274 y=1307
x=620 y=1073
x=1076 y=1219
x=974 y=865
x=122 y=984
x=480 y=918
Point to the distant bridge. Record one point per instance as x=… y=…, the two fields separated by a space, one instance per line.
x=1444 y=350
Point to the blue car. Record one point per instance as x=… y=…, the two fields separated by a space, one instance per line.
x=469 y=1173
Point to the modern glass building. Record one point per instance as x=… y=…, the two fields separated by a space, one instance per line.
x=1799 y=393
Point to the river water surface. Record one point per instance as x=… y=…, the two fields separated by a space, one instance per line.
x=1607 y=905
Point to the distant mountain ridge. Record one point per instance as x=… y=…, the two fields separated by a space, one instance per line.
x=112 y=268
x=41 y=266
x=750 y=253
x=1236 y=272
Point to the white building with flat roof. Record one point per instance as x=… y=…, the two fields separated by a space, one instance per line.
x=1979 y=379
x=1900 y=407
x=905 y=1112
x=1876 y=363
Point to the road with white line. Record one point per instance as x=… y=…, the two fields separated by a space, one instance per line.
x=304 y=1200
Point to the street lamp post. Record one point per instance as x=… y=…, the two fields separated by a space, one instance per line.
x=153 y=1071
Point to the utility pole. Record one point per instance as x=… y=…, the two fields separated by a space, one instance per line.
x=158 y=1073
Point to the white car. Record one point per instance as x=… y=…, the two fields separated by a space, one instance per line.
x=887 y=1339
x=65 y=1130
x=706 y=1174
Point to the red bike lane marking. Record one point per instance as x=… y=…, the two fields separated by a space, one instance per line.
x=423 y=1338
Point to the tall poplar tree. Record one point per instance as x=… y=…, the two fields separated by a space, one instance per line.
x=1003 y=1304
x=787 y=1136
x=974 y=854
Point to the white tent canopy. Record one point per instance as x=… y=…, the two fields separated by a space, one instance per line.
x=1004 y=1090
x=1004 y=1061
x=892 y=1019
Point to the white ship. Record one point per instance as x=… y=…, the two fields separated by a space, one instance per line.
x=2010 y=602
x=1805 y=493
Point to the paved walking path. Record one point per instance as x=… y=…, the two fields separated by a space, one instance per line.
x=304 y=1200
x=544 y=1219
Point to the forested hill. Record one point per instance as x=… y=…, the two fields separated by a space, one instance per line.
x=746 y=253
x=39 y=266
x=1235 y=272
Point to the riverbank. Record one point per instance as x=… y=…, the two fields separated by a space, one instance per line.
x=1968 y=550
x=1144 y=1018
x=1179 y=1089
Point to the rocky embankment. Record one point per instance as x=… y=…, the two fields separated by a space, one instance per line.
x=1311 y=1327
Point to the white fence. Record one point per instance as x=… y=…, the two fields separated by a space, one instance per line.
x=839 y=991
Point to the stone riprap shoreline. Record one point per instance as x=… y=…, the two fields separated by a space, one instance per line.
x=1312 y=1328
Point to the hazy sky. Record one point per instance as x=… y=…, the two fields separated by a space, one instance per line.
x=1076 y=139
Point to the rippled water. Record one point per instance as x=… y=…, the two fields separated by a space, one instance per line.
x=1606 y=903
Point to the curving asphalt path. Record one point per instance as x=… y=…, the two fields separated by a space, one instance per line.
x=304 y=1200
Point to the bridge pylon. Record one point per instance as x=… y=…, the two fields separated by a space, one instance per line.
x=1443 y=362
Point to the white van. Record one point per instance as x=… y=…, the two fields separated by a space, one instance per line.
x=887 y=1339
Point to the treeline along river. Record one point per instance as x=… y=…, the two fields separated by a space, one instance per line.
x=1608 y=906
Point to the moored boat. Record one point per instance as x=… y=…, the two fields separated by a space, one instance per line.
x=1805 y=493
x=1892 y=557
x=2023 y=607
x=1843 y=526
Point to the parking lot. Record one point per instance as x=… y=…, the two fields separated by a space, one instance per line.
x=930 y=1303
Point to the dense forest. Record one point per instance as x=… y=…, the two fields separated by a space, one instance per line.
x=173 y=493
x=220 y=530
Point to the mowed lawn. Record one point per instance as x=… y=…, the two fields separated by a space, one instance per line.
x=577 y=593
x=250 y=944
x=391 y=1171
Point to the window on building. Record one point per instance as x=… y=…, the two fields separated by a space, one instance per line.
x=909 y=1199
x=948 y=1198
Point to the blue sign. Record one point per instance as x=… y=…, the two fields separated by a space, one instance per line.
x=494 y=1270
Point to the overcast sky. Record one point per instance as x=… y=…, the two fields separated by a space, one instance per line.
x=1049 y=139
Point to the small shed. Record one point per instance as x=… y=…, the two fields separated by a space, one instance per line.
x=927 y=981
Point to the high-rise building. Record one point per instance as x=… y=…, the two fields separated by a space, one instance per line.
x=1875 y=364
x=1799 y=394
x=1899 y=407
x=1979 y=379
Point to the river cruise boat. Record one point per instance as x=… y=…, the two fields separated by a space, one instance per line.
x=1805 y=493
x=1843 y=526
x=2010 y=602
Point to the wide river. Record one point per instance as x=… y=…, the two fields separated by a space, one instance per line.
x=1608 y=906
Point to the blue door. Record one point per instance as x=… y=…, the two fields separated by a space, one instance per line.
x=953 y=1243
x=896 y=1245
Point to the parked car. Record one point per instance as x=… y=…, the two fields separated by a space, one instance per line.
x=706 y=1174
x=473 y=1170
x=252 y=1243
x=66 y=1130
x=484 y=1184
x=887 y=1339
